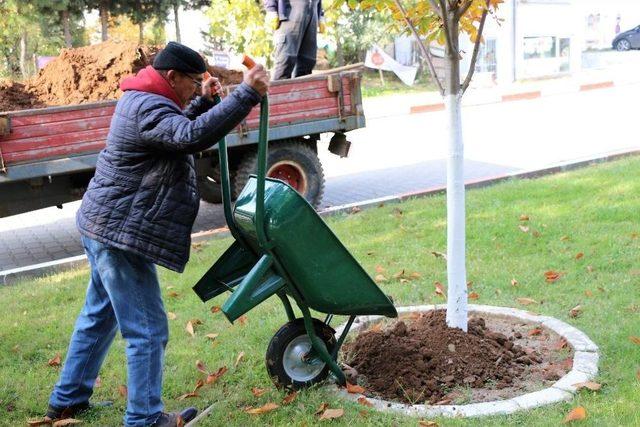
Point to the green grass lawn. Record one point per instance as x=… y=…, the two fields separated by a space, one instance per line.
x=594 y=211
x=373 y=86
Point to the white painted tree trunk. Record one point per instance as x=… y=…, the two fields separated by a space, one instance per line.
x=456 y=265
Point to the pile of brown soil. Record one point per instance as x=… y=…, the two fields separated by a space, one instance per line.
x=88 y=74
x=423 y=360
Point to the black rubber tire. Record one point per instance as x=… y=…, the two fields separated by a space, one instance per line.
x=278 y=345
x=623 y=45
x=299 y=153
x=210 y=191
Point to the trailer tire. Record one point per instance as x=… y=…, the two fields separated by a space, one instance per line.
x=294 y=162
x=284 y=361
x=210 y=191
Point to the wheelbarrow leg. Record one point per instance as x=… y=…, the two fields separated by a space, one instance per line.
x=320 y=348
x=287 y=306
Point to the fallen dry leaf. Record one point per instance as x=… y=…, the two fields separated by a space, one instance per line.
x=402 y=281
x=588 y=293
x=321 y=408
x=534 y=331
x=55 y=361
x=98 y=382
x=551 y=276
x=15 y=348
x=122 y=390
x=514 y=282
x=174 y=294
x=355 y=210
x=39 y=422
x=380 y=278
x=575 y=311
x=635 y=340
x=576 y=414
x=364 y=401
x=469 y=284
x=289 y=398
x=379 y=269
x=215 y=309
x=439 y=289
x=212 y=378
x=212 y=337
x=189 y=329
x=526 y=301
x=257 y=392
x=399 y=274
x=66 y=422
x=536 y=233
x=474 y=295
x=523 y=228
x=564 y=238
x=376 y=328
x=593 y=386
x=263 y=409
x=423 y=423
x=199 y=384
x=438 y=254
x=330 y=414
x=590 y=268
x=415 y=275
x=638 y=375
x=172 y=316
x=200 y=366
x=239 y=359
x=354 y=388
x=243 y=320
x=188 y=395
x=560 y=344
x=579 y=255
x=524 y=217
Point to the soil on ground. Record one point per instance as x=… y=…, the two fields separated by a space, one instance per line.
x=419 y=359
x=87 y=74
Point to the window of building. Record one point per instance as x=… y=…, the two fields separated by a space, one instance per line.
x=539 y=47
x=486 y=61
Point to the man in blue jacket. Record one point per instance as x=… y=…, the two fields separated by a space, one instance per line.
x=296 y=24
x=138 y=212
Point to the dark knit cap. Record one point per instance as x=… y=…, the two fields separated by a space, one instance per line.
x=176 y=56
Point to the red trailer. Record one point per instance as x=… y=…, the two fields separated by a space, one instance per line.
x=48 y=155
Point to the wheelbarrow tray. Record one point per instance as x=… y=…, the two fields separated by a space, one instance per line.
x=326 y=276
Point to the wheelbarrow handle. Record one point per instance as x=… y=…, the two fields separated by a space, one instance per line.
x=263 y=148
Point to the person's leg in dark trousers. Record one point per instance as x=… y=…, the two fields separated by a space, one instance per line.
x=308 y=49
x=301 y=27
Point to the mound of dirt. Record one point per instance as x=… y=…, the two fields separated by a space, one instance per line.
x=424 y=360
x=88 y=74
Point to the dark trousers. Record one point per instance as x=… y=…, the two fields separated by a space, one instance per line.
x=296 y=41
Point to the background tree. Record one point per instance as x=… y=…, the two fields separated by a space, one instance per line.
x=443 y=21
x=185 y=4
x=238 y=26
x=105 y=8
x=143 y=11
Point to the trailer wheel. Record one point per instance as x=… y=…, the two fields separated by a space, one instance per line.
x=210 y=191
x=293 y=162
x=289 y=362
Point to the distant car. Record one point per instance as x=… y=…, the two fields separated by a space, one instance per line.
x=627 y=40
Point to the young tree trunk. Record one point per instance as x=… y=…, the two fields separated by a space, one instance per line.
x=339 y=52
x=67 y=29
x=456 y=266
x=141 y=33
x=176 y=18
x=23 y=54
x=104 y=19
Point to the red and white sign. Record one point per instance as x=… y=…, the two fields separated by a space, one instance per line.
x=378 y=59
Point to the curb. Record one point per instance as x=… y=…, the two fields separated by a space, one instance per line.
x=8 y=277
x=585 y=368
x=518 y=96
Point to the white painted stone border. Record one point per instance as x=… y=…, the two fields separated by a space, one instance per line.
x=585 y=368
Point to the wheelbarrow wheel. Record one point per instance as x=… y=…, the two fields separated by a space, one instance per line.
x=290 y=362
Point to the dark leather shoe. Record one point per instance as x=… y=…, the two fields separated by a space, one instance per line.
x=175 y=419
x=56 y=413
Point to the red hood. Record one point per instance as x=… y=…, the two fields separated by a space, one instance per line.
x=149 y=80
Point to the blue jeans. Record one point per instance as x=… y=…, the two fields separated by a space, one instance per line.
x=123 y=293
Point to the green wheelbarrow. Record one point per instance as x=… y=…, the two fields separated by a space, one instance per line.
x=282 y=247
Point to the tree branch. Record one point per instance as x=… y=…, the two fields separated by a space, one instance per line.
x=476 y=49
x=445 y=22
x=463 y=9
x=436 y=8
x=423 y=48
